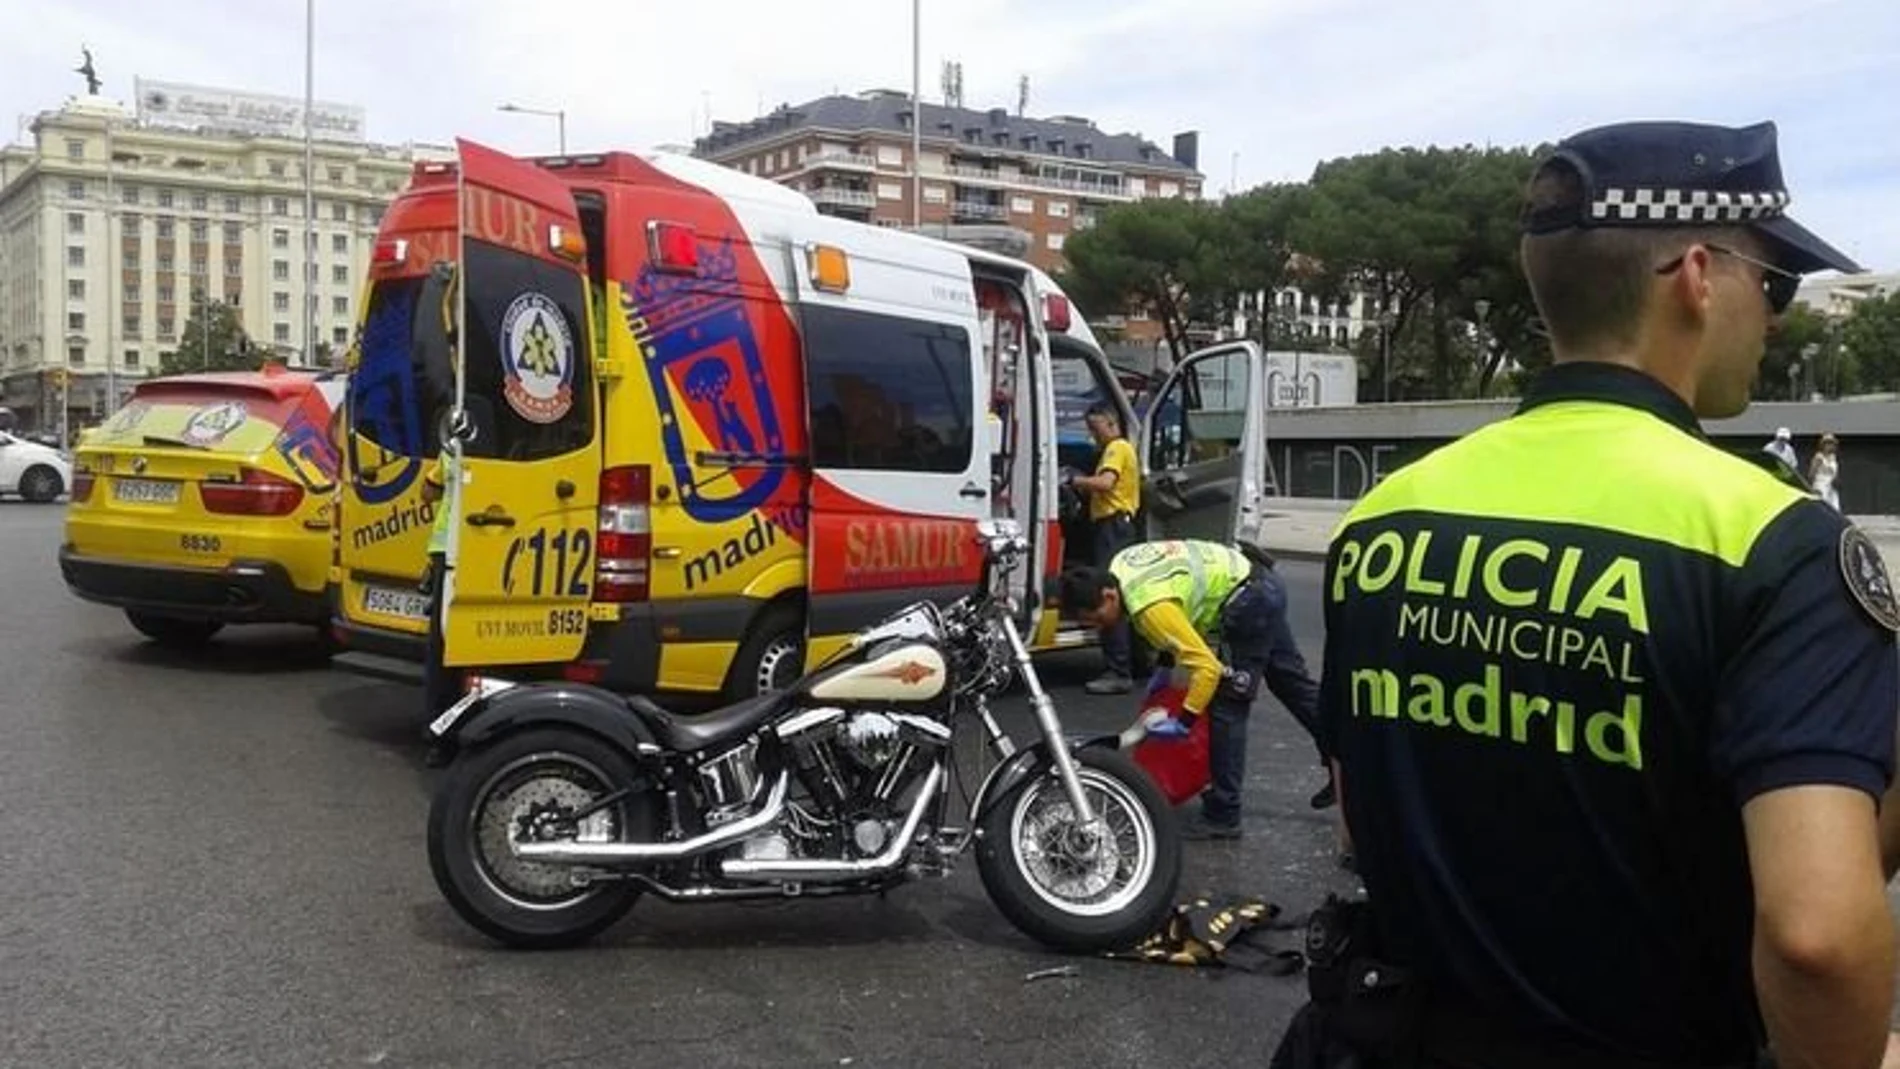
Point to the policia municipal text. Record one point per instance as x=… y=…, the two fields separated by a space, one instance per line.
x=1613 y=711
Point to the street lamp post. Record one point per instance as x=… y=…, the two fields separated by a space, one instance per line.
x=1483 y=308
x=558 y=115
x=309 y=183
x=1385 y=351
x=916 y=113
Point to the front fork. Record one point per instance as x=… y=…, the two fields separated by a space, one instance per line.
x=1046 y=719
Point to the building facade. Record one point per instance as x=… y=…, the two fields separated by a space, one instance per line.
x=1835 y=295
x=113 y=228
x=1044 y=179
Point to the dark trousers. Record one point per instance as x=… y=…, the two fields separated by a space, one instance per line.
x=1112 y=535
x=1256 y=638
x=438 y=687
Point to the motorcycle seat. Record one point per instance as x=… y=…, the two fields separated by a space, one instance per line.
x=691 y=734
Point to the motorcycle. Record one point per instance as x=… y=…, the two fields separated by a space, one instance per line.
x=564 y=803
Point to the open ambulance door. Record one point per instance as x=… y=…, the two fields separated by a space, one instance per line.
x=1203 y=446
x=896 y=402
x=524 y=546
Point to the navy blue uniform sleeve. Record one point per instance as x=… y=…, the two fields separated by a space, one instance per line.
x=1810 y=691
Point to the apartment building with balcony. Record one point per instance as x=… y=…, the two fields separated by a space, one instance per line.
x=113 y=228
x=1042 y=178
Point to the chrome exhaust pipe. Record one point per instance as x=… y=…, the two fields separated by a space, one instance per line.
x=578 y=853
x=822 y=870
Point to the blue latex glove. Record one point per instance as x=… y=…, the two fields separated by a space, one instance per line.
x=1160 y=725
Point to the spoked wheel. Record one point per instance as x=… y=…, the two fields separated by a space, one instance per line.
x=1085 y=888
x=530 y=787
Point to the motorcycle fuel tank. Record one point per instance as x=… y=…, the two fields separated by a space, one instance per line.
x=909 y=673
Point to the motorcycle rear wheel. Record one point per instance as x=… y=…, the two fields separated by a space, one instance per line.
x=533 y=774
x=1077 y=889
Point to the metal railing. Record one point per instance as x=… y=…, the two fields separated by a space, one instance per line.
x=979 y=210
x=838 y=159
x=843 y=198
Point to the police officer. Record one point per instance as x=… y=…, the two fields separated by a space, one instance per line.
x=438 y=686
x=1179 y=596
x=1612 y=708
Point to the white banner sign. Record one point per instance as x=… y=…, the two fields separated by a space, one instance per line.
x=175 y=104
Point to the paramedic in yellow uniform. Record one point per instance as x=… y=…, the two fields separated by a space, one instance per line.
x=1114 y=493
x=1180 y=596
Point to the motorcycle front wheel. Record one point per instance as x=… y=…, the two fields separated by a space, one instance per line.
x=1077 y=888
x=518 y=786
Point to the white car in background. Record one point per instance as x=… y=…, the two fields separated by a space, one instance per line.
x=33 y=471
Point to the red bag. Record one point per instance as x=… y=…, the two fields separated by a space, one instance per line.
x=1178 y=766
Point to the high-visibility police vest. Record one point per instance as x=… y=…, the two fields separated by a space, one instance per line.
x=443 y=475
x=1200 y=575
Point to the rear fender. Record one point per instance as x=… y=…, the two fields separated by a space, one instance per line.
x=576 y=705
x=1026 y=764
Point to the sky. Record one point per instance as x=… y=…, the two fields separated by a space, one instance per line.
x=1273 y=86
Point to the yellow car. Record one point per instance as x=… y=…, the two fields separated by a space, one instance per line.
x=206 y=501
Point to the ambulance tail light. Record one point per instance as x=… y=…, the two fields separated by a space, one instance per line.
x=255 y=493
x=673 y=247
x=389 y=252
x=625 y=541
x=1056 y=313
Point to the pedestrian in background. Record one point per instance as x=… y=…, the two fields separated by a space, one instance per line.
x=1824 y=471
x=1783 y=447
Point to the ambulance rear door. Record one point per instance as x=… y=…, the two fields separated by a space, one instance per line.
x=895 y=396
x=1203 y=442
x=525 y=544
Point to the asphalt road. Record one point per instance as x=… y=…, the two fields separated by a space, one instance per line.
x=218 y=860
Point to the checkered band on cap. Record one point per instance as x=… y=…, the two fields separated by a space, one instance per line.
x=1686 y=206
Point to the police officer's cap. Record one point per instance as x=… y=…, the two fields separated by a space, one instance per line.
x=1679 y=174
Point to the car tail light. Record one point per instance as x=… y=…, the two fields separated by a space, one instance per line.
x=625 y=542
x=82 y=485
x=256 y=493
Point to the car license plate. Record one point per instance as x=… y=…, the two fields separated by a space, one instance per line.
x=145 y=491
x=391 y=602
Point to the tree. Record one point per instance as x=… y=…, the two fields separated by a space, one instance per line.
x=1256 y=256
x=1870 y=340
x=1799 y=328
x=1167 y=257
x=213 y=340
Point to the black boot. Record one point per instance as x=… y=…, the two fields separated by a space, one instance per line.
x=1326 y=797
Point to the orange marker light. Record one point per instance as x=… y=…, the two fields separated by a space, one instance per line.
x=567 y=244
x=830 y=268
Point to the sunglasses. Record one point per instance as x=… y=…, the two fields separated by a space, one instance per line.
x=1778 y=285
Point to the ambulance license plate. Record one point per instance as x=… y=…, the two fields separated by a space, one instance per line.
x=145 y=491
x=389 y=601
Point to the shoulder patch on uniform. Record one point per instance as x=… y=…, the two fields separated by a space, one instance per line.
x=1867 y=578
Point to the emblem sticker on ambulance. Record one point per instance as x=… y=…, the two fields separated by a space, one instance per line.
x=209 y=426
x=537 y=359
x=1867 y=578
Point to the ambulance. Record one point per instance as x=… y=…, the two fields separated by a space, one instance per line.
x=708 y=432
